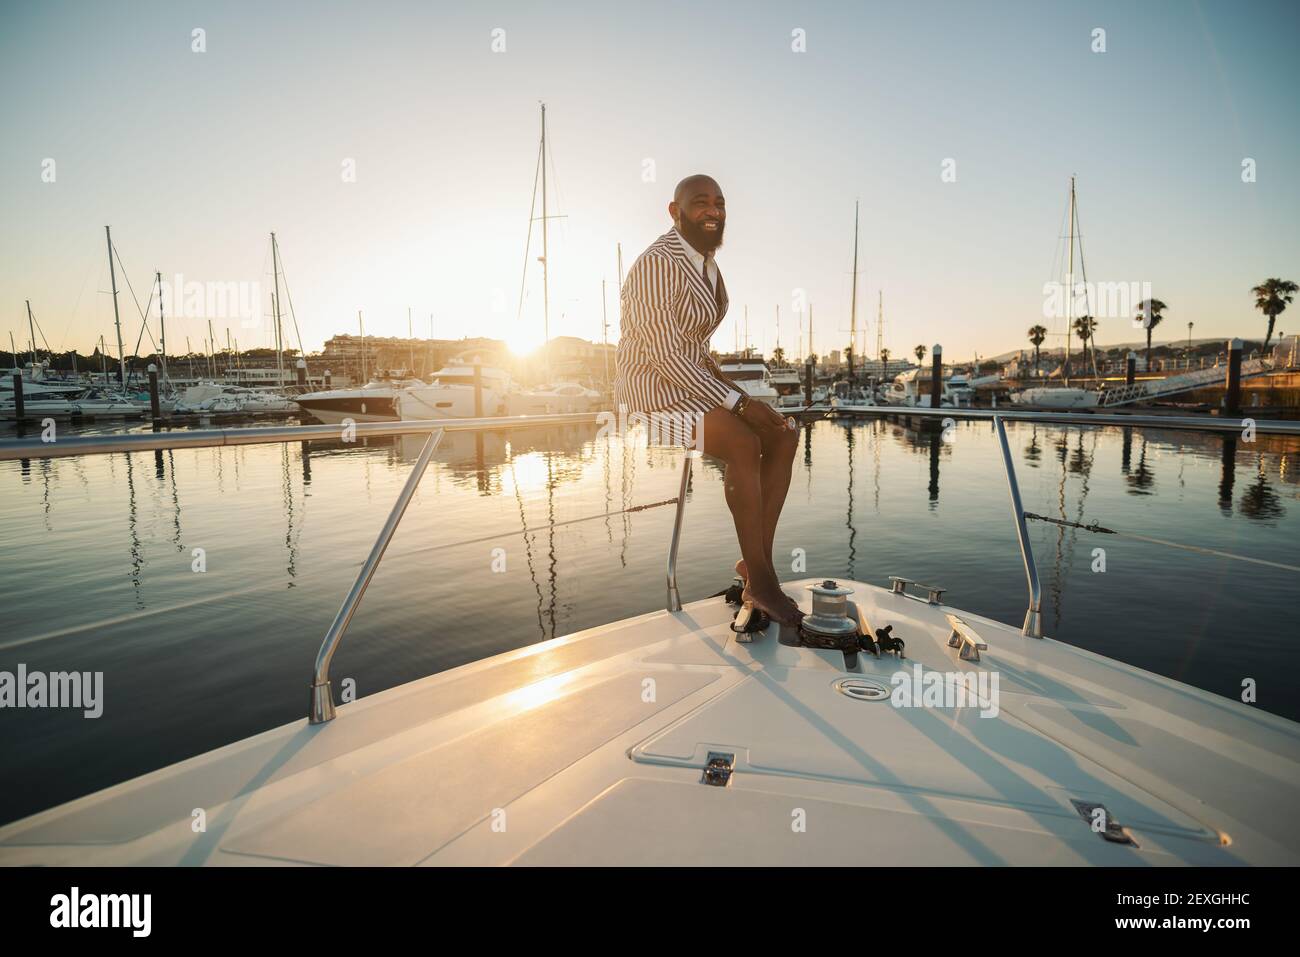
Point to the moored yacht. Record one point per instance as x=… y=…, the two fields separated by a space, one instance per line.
x=451 y=394
x=1058 y=397
x=891 y=727
x=750 y=373
x=376 y=401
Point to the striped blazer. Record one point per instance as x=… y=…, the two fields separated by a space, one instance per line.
x=668 y=315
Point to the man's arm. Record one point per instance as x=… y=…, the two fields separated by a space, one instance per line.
x=646 y=294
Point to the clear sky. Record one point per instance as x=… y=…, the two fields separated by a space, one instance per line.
x=195 y=157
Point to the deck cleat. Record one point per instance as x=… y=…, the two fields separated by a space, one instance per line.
x=748 y=622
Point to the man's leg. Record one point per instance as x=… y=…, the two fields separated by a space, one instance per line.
x=778 y=463
x=728 y=438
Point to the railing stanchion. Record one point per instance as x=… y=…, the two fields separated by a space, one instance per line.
x=322 y=700
x=674 y=597
x=1033 y=627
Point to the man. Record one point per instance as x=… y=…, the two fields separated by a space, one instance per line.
x=673 y=301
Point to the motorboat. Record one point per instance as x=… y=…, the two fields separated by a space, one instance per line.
x=451 y=394
x=892 y=727
x=550 y=399
x=905 y=391
x=39 y=384
x=663 y=739
x=752 y=375
x=1058 y=397
x=850 y=395
x=373 y=402
x=215 y=397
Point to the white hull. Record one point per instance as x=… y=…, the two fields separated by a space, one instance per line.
x=1062 y=398
x=332 y=417
x=561 y=740
x=446 y=402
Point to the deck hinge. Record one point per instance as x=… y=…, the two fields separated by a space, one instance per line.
x=717 y=770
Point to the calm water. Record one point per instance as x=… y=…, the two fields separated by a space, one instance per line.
x=97 y=557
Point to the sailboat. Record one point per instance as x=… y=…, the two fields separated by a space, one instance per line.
x=1064 y=396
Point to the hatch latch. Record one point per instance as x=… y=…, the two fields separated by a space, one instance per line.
x=718 y=768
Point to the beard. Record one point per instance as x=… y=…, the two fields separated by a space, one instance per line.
x=698 y=237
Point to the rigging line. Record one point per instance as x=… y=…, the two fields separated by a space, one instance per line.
x=144 y=322
x=1100 y=529
x=526 y=530
x=292 y=315
x=1058 y=249
x=37 y=323
x=1087 y=299
x=77 y=304
x=532 y=206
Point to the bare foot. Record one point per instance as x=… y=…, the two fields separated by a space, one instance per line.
x=791 y=606
x=776 y=603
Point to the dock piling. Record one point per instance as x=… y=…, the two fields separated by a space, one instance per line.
x=1232 y=398
x=155 y=409
x=936 y=376
x=18 y=395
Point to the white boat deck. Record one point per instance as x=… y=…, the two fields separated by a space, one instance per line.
x=589 y=749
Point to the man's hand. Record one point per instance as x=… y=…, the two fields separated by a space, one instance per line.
x=763 y=418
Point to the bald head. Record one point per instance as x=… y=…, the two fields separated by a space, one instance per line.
x=695 y=183
x=699 y=212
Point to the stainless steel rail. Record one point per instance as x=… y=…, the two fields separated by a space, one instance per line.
x=1033 y=626
x=321 y=708
x=674 y=597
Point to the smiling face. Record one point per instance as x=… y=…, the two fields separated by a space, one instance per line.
x=699 y=212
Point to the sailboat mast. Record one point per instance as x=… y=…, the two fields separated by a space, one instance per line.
x=880 y=325
x=117 y=319
x=162 y=328
x=279 y=352
x=361 y=327
x=1069 y=292
x=31 y=328
x=853 y=309
x=546 y=295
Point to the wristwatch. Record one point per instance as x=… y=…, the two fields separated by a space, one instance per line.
x=738 y=410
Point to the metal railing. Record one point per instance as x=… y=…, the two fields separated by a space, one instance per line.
x=322 y=704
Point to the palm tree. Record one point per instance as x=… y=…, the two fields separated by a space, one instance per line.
x=778 y=356
x=919 y=352
x=1037 y=335
x=1084 y=327
x=884 y=360
x=1271 y=297
x=1149 y=315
